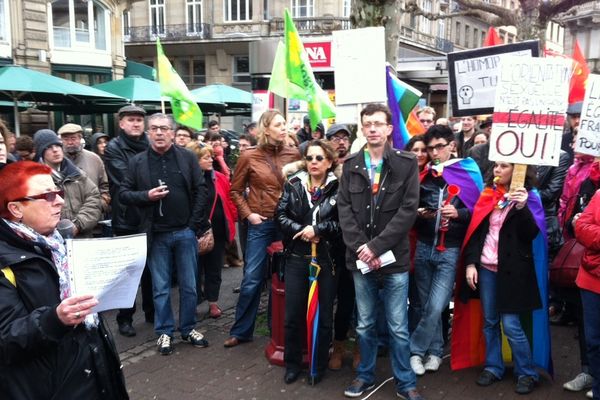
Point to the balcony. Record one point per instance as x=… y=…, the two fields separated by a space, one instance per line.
x=318 y=25
x=424 y=39
x=167 y=32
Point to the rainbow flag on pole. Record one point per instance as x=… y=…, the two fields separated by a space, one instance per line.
x=402 y=98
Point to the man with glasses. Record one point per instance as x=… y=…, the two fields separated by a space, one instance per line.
x=339 y=139
x=82 y=205
x=426 y=116
x=130 y=141
x=166 y=185
x=435 y=267
x=377 y=205
x=183 y=136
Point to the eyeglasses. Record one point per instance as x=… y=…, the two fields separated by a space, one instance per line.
x=183 y=135
x=437 y=147
x=340 y=139
x=50 y=197
x=319 y=158
x=163 y=128
x=376 y=124
x=426 y=121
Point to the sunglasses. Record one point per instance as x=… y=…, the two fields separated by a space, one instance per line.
x=319 y=158
x=48 y=196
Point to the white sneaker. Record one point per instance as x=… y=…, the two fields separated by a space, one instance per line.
x=580 y=382
x=416 y=363
x=432 y=363
x=589 y=394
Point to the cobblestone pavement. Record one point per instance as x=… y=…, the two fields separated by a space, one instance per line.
x=243 y=372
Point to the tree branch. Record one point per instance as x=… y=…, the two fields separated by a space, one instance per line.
x=413 y=8
x=554 y=8
x=507 y=17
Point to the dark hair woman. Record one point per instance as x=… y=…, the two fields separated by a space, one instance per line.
x=307 y=216
x=223 y=216
x=259 y=170
x=52 y=344
x=499 y=259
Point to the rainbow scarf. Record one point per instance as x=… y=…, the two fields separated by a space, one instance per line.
x=464 y=173
x=468 y=342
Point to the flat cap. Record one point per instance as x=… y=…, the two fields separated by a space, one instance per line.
x=131 y=110
x=70 y=128
x=575 y=108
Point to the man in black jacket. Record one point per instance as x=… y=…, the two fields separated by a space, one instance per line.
x=166 y=185
x=377 y=205
x=131 y=140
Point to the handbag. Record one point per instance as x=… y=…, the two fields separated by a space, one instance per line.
x=565 y=265
x=206 y=242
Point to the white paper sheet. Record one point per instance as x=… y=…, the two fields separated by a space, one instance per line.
x=108 y=268
x=386 y=258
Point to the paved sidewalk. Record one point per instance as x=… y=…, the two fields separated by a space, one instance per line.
x=217 y=373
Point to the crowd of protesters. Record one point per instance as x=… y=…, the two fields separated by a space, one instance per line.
x=393 y=234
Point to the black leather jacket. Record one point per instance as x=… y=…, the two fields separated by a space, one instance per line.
x=293 y=214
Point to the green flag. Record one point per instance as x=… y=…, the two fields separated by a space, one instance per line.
x=185 y=109
x=293 y=78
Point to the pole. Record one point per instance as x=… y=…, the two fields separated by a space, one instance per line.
x=518 y=176
x=16 y=115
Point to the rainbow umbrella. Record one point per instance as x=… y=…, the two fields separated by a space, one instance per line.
x=312 y=312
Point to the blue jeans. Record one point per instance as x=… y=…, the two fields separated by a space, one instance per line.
x=259 y=238
x=179 y=247
x=511 y=325
x=394 y=293
x=591 y=321
x=434 y=275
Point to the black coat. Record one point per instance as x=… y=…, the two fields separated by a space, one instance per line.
x=293 y=214
x=517 y=288
x=134 y=190
x=40 y=358
x=383 y=224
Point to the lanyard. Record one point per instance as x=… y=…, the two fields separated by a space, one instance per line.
x=376 y=177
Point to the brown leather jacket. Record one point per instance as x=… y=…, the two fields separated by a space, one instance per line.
x=254 y=172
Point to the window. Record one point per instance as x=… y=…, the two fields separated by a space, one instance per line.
x=194 y=16
x=126 y=25
x=425 y=23
x=467 y=36
x=482 y=38
x=347 y=8
x=77 y=23
x=441 y=28
x=511 y=38
x=457 y=33
x=157 y=17
x=192 y=71
x=303 y=8
x=241 y=69
x=475 y=37
x=238 y=10
x=4 y=21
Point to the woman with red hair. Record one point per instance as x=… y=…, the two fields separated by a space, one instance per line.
x=52 y=345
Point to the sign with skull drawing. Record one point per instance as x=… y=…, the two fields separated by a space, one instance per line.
x=474 y=75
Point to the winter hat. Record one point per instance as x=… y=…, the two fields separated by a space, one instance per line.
x=43 y=139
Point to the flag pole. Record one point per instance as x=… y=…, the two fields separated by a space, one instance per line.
x=162 y=100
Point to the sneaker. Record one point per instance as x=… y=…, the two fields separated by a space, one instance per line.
x=357 y=388
x=164 y=345
x=409 y=395
x=486 y=378
x=579 y=383
x=432 y=363
x=195 y=338
x=525 y=385
x=416 y=363
x=589 y=394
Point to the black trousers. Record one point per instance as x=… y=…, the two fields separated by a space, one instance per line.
x=126 y=314
x=210 y=266
x=296 y=302
x=345 y=300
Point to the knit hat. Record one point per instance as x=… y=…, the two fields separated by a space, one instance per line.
x=43 y=139
x=575 y=108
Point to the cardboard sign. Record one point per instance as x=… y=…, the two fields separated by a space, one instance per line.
x=474 y=75
x=531 y=101
x=588 y=138
x=358 y=57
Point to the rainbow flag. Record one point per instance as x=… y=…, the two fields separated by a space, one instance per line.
x=468 y=342
x=464 y=173
x=312 y=312
x=401 y=99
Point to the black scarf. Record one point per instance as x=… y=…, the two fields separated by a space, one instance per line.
x=138 y=145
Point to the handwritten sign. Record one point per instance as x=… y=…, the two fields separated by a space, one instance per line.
x=474 y=76
x=588 y=138
x=531 y=101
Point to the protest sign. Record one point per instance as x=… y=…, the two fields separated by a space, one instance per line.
x=531 y=100
x=358 y=57
x=588 y=138
x=474 y=75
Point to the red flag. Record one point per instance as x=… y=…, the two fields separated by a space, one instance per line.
x=492 y=38
x=580 y=75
